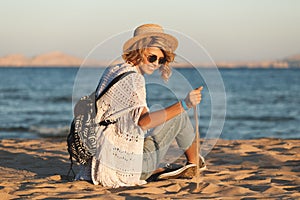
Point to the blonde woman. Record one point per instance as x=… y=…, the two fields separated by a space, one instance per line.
x=133 y=141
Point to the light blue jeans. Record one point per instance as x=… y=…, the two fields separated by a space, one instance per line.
x=160 y=138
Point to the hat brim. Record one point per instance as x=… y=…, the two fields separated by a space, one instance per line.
x=171 y=41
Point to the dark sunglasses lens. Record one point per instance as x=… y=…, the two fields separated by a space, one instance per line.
x=152 y=58
x=162 y=61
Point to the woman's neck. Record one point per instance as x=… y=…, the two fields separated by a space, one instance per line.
x=138 y=69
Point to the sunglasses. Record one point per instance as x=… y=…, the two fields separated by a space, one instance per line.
x=153 y=58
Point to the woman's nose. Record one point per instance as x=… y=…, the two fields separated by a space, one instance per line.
x=156 y=62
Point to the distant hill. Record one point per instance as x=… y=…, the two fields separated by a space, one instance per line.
x=254 y=64
x=14 y=60
x=289 y=62
x=48 y=59
x=293 y=61
x=59 y=59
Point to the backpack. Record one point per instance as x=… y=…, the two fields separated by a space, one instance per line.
x=81 y=139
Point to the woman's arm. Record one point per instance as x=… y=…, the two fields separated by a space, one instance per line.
x=153 y=119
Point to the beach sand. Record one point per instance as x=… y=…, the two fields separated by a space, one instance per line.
x=237 y=169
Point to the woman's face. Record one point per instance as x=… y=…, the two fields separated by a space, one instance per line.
x=152 y=58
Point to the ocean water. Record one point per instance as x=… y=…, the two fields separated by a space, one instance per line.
x=38 y=102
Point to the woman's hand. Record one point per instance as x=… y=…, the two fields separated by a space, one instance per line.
x=154 y=119
x=193 y=98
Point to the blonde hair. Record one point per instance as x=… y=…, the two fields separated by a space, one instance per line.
x=135 y=53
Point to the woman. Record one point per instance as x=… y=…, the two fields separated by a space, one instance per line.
x=126 y=155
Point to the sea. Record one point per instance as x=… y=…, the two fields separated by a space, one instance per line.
x=236 y=103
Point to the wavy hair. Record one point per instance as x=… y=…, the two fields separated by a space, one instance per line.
x=135 y=53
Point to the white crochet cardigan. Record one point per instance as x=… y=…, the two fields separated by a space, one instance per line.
x=119 y=155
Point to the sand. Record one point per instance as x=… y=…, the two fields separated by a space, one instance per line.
x=237 y=169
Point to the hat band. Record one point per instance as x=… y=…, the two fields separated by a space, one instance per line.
x=148 y=30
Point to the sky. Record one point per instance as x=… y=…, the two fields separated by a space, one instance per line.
x=228 y=30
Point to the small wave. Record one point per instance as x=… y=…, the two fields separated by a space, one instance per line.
x=10 y=90
x=14 y=129
x=50 y=132
x=40 y=112
x=61 y=99
x=263 y=118
x=17 y=96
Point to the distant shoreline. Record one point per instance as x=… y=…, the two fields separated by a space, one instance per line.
x=59 y=59
x=175 y=67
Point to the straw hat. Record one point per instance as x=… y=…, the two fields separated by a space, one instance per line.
x=147 y=30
